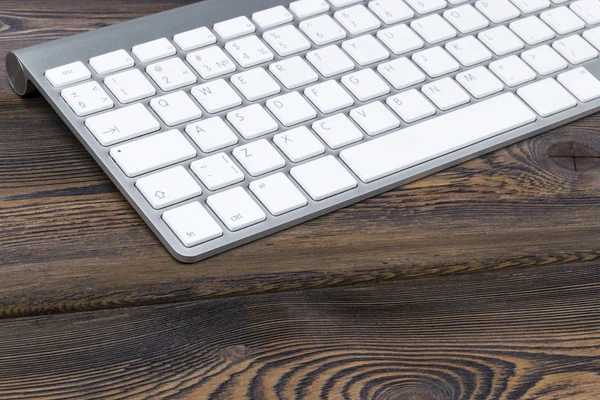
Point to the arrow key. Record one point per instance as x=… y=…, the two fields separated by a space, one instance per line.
x=166 y=188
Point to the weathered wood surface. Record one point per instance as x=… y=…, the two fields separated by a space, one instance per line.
x=512 y=334
x=70 y=242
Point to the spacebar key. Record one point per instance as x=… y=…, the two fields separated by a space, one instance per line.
x=438 y=136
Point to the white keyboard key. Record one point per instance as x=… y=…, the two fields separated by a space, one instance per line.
x=299 y=144
x=129 y=86
x=581 y=83
x=272 y=17
x=234 y=27
x=168 y=187
x=308 y=8
x=249 y=51
x=497 y=11
x=255 y=84
x=391 y=11
x=480 y=82
x=322 y=30
x=512 y=70
x=258 y=157
x=588 y=10
x=445 y=93
x=433 y=28
x=593 y=36
x=401 y=73
x=426 y=6
x=530 y=6
x=532 y=30
x=171 y=74
x=217 y=171
x=252 y=121
x=411 y=106
x=153 y=152
x=337 y=131
x=236 y=209
x=278 y=194
x=365 y=50
x=357 y=19
x=87 y=98
x=365 y=84
x=435 y=61
x=323 y=178
x=286 y=40
x=468 y=51
x=328 y=96
x=343 y=3
x=547 y=97
x=293 y=72
x=425 y=141
x=374 y=118
x=122 y=124
x=194 y=39
x=575 y=49
x=211 y=62
x=112 y=62
x=192 y=224
x=291 y=109
x=455 y=2
x=400 y=39
x=562 y=20
x=211 y=134
x=154 y=50
x=544 y=60
x=68 y=74
x=216 y=96
x=466 y=18
x=501 y=40
x=330 y=61
x=175 y=108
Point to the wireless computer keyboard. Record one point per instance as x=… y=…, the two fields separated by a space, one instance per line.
x=228 y=120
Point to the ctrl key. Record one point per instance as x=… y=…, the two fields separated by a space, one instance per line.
x=236 y=209
x=192 y=224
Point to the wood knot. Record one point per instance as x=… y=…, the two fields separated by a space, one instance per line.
x=416 y=388
x=235 y=354
x=574 y=156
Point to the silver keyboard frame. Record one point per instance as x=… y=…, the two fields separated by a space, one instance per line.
x=26 y=69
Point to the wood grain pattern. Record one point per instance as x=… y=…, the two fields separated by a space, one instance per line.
x=70 y=242
x=499 y=335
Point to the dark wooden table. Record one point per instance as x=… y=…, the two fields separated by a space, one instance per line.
x=482 y=281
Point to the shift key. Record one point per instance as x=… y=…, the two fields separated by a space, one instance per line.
x=122 y=124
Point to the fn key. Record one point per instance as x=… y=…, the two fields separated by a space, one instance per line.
x=192 y=224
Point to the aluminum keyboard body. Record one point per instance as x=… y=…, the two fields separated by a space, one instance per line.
x=27 y=67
